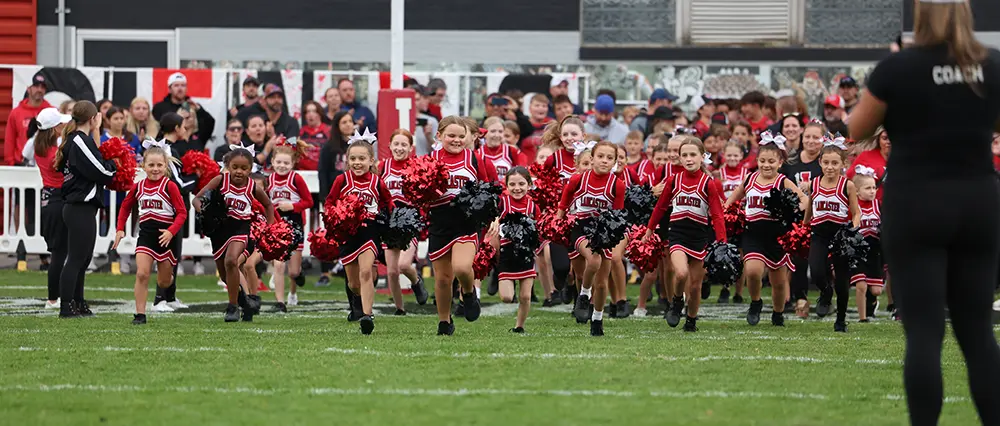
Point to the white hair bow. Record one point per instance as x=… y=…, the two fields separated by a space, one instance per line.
x=367 y=137
x=250 y=148
x=837 y=141
x=767 y=138
x=437 y=146
x=863 y=170
x=614 y=168
x=708 y=158
x=150 y=142
x=580 y=147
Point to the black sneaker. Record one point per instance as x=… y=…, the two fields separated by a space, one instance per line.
x=890 y=307
x=548 y=303
x=581 y=310
x=459 y=308
x=232 y=313
x=568 y=294
x=663 y=301
x=243 y=301
x=789 y=306
x=840 y=327
x=624 y=310
x=419 y=291
x=367 y=324
x=753 y=314
x=324 y=281
x=871 y=306
x=673 y=315
x=556 y=298
x=493 y=288
x=778 y=319
x=248 y=315
x=612 y=310
x=534 y=297
x=446 y=328
x=738 y=298
x=518 y=330
x=69 y=310
x=723 y=296
x=300 y=280
x=865 y=321
x=84 y=309
x=281 y=307
x=597 y=328
x=706 y=291
x=354 y=301
x=823 y=306
x=472 y=307
x=400 y=313
x=691 y=324
x=139 y=319
x=254 y=301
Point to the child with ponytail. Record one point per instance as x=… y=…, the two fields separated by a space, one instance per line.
x=292 y=199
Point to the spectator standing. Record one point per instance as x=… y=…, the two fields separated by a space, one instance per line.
x=752 y=107
x=505 y=107
x=251 y=91
x=423 y=137
x=562 y=107
x=139 y=121
x=331 y=156
x=314 y=133
x=787 y=104
x=363 y=116
x=834 y=114
x=848 y=91
x=436 y=91
x=603 y=122
x=115 y=128
x=273 y=107
x=177 y=98
x=234 y=134
x=557 y=89
x=659 y=98
x=16 y=133
x=333 y=103
x=705 y=108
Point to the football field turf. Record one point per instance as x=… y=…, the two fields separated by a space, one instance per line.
x=311 y=366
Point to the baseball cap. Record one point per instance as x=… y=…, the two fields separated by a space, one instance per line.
x=784 y=93
x=176 y=78
x=558 y=82
x=51 y=117
x=663 y=113
x=848 y=82
x=834 y=101
x=251 y=80
x=272 y=89
x=38 y=79
x=660 y=94
x=604 y=104
x=720 y=118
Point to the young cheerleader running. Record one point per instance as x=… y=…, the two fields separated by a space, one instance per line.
x=290 y=195
x=359 y=252
x=231 y=243
x=503 y=156
x=834 y=204
x=617 y=289
x=867 y=278
x=161 y=215
x=587 y=195
x=517 y=200
x=400 y=261
x=695 y=203
x=761 y=251
x=562 y=136
x=732 y=175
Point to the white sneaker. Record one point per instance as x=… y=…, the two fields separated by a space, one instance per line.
x=162 y=307
x=177 y=304
x=221 y=283
x=50 y=305
x=124 y=266
x=199 y=269
x=92 y=267
x=271 y=282
x=996 y=306
x=293 y=299
x=180 y=269
x=639 y=312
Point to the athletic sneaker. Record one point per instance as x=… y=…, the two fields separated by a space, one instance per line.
x=138 y=319
x=623 y=309
x=597 y=328
x=556 y=298
x=639 y=312
x=691 y=325
x=612 y=309
x=69 y=311
x=51 y=305
x=177 y=304
x=534 y=297
x=323 y=281
x=221 y=284
x=281 y=307
x=753 y=314
x=518 y=330
x=400 y=313
x=996 y=306
x=355 y=313
x=180 y=269
x=367 y=324
x=706 y=291
x=262 y=287
x=738 y=298
x=199 y=269
x=864 y=321
x=459 y=307
x=232 y=314
x=270 y=282
x=300 y=280
x=248 y=315
x=446 y=328
x=493 y=287
x=823 y=306
x=723 y=296
x=840 y=327
x=162 y=306
x=802 y=308
x=673 y=315
x=419 y=291
x=778 y=319
x=254 y=301
x=582 y=309
x=789 y=305
x=293 y=299
x=472 y=307
x=84 y=309
x=871 y=306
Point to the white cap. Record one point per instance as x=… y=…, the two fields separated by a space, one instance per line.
x=784 y=93
x=51 y=117
x=698 y=102
x=176 y=78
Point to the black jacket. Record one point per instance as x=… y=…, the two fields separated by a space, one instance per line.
x=285 y=126
x=85 y=171
x=186 y=183
x=206 y=123
x=329 y=156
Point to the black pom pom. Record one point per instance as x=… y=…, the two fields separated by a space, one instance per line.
x=404 y=224
x=848 y=245
x=520 y=230
x=298 y=237
x=606 y=230
x=783 y=205
x=213 y=212
x=722 y=263
x=639 y=204
x=479 y=201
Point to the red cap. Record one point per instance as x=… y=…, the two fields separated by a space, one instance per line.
x=834 y=101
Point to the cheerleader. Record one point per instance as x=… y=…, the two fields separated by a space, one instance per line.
x=585 y=196
x=161 y=216
x=761 y=251
x=359 y=252
x=867 y=278
x=731 y=176
x=695 y=203
x=562 y=136
x=231 y=243
x=583 y=159
x=635 y=158
x=452 y=243
x=834 y=204
x=503 y=156
x=292 y=199
x=619 y=275
x=515 y=271
x=400 y=261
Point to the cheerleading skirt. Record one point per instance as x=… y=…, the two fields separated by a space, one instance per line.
x=760 y=242
x=148 y=242
x=513 y=268
x=296 y=222
x=578 y=238
x=689 y=237
x=871 y=271
x=366 y=238
x=232 y=230
x=447 y=227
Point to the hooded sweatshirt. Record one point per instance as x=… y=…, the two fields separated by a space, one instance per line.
x=16 y=134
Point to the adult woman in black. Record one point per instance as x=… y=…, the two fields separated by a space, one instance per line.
x=940 y=225
x=85 y=172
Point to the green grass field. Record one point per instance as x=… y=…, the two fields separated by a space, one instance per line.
x=311 y=366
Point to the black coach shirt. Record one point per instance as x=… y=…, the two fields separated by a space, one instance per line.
x=938 y=123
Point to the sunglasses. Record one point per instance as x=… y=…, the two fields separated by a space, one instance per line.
x=790 y=114
x=235 y=129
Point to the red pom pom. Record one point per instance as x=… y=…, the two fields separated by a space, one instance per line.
x=645 y=255
x=275 y=240
x=736 y=219
x=486 y=259
x=321 y=247
x=548 y=186
x=199 y=163
x=345 y=217
x=796 y=241
x=424 y=180
x=124 y=157
x=551 y=228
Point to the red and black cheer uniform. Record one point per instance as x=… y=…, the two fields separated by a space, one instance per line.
x=391 y=171
x=239 y=214
x=831 y=211
x=509 y=268
x=160 y=207
x=694 y=201
x=872 y=269
x=629 y=177
x=564 y=162
x=730 y=178
x=760 y=238
x=370 y=189
x=586 y=196
x=643 y=168
x=446 y=225
x=290 y=188
x=661 y=174
x=503 y=158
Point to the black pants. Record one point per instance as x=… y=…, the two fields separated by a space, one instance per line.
x=945 y=253
x=80 y=237
x=559 y=256
x=819 y=265
x=53 y=229
x=799 y=284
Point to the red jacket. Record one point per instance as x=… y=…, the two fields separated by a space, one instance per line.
x=16 y=135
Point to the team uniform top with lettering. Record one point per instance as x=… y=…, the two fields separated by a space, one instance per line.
x=370 y=189
x=239 y=214
x=760 y=236
x=290 y=188
x=730 y=178
x=643 y=168
x=391 y=171
x=695 y=204
x=663 y=172
x=585 y=196
x=871 y=228
x=160 y=207
x=563 y=161
x=629 y=177
x=447 y=226
x=510 y=268
x=503 y=157
x=830 y=206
